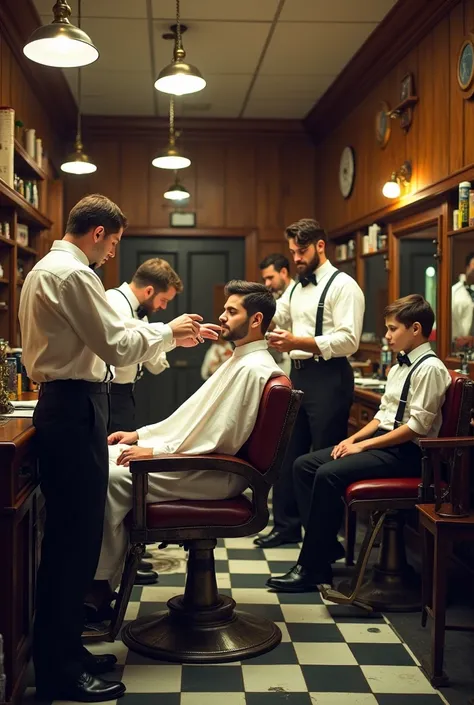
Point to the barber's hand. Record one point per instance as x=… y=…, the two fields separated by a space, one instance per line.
x=126 y=437
x=281 y=340
x=209 y=331
x=186 y=326
x=133 y=453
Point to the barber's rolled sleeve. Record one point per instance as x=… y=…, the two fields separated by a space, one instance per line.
x=428 y=392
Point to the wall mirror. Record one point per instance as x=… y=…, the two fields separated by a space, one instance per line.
x=376 y=297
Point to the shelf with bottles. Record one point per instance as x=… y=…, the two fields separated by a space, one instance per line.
x=461 y=211
x=9 y=198
x=374 y=241
x=345 y=250
x=382 y=251
x=25 y=166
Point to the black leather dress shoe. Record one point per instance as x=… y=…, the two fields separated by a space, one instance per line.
x=146 y=577
x=299 y=580
x=86 y=689
x=276 y=538
x=145 y=565
x=100 y=663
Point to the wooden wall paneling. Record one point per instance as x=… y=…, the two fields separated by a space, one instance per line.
x=106 y=180
x=297 y=178
x=210 y=187
x=468 y=104
x=5 y=63
x=410 y=64
x=134 y=180
x=269 y=211
x=456 y=100
x=240 y=185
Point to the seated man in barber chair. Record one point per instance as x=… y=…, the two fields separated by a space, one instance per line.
x=386 y=446
x=219 y=417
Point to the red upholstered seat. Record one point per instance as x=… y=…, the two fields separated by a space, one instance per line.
x=199 y=512
x=386 y=488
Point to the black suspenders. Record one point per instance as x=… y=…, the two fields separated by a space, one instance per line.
x=139 y=367
x=406 y=387
x=320 y=309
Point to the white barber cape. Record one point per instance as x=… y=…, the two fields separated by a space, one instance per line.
x=219 y=417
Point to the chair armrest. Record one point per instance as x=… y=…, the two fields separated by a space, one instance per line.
x=185 y=463
x=461 y=442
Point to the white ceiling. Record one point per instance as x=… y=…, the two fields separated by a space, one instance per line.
x=260 y=58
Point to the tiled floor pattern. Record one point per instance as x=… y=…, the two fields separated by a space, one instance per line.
x=330 y=654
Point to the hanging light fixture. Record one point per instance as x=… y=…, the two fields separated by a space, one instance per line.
x=171 y=158
x=177 y=192
x=179 y=78
x=60 y=43
x=78 y=162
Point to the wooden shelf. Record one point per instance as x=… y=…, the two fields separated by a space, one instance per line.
x=9 y=198
x=4 y=281
x=25 y=166
x=370 y=347
x=26 y=250
x=468 y=229
x=383 y=251
x=7 y=241
x=348 y=260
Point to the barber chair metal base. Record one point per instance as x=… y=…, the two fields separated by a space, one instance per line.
x=393 y=585
x=201 y=626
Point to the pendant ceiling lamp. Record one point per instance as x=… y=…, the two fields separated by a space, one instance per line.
x=179 y=78
x=78 y=162
x=60 y=43
x=171 y=157
x=176 y=192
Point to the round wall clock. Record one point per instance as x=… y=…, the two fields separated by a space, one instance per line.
x=465 y=67
x=383 y=125
x=347 y=171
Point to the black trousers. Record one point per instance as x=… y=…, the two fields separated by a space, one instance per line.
x=320 y=485
x=328 y=388
x=71 y=433
x=122 y=408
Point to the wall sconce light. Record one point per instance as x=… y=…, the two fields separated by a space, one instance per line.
x=398 y=181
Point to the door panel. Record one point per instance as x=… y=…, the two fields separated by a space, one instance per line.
x=204 y=265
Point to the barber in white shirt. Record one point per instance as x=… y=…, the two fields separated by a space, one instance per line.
x=324 y=311
x=153 y=286
x=71 y=338
x=462 y=302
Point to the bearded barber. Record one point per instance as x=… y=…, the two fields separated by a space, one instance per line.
x=324 y=311
x=153 y=286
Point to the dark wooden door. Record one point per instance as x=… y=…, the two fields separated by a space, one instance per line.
x=204 y=265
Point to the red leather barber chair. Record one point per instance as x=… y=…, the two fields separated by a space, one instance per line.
x=203 y=626
x=393 y=585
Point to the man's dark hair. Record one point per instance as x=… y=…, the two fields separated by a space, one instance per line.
x=469 y=257
x=279 y=262
x=256 y=299
x=306 y=232
x=92 y=212
x=412 y=309
x=159 y=274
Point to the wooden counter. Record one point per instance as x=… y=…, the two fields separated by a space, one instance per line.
x=20 y=538
x=364 y=408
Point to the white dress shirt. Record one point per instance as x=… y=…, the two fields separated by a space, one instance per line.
x=215 y=356
x=125 y=304
x=342 y=317
x=70 y=331
x=462 y=309
x=428 y=386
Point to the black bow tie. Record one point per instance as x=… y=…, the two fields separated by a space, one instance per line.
x=141 y=312
x=403 y=359
x=310 y=279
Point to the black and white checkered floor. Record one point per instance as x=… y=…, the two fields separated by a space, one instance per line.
x=330 y=654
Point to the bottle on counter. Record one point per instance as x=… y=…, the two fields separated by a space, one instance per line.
x=385 y=358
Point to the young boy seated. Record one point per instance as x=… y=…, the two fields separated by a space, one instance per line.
x=386 y=447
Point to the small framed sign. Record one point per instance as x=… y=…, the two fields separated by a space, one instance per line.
x=182 y=219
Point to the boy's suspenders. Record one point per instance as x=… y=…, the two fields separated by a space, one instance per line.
x=406 y=387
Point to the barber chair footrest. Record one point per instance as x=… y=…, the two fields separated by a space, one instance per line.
x=211 y=635
x=386 y=592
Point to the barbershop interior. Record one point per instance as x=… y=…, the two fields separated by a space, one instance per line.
x=237 y=352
